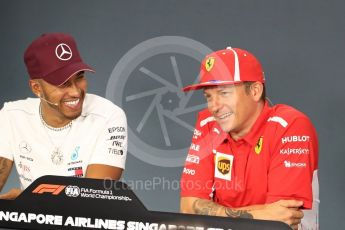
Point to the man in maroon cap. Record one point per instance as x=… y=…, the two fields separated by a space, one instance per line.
x=248 y=159
x=64 y=131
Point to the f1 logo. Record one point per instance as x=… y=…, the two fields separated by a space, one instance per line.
x=54 y=189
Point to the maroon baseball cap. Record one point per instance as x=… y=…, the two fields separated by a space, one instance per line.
x=54 y=57
x=227 y=67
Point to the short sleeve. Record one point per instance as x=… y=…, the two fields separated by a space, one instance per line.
x=293 y=162
x=5 y=136
x=197 y=175
x=111 y=145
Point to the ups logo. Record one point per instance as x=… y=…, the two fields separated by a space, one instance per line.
x=223 y=165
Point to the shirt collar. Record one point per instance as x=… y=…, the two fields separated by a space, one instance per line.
x=254 y=133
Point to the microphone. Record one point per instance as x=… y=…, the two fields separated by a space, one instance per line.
x=39 y=95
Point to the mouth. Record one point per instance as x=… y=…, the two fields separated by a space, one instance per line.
x=73 y=104
x=224 y=116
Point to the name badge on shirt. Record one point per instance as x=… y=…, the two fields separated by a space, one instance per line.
x=223 y=166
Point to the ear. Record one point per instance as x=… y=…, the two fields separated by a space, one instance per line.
x=35 y=87
x=256 y=90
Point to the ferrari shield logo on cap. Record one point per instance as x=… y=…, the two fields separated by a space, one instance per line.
x=209 y=63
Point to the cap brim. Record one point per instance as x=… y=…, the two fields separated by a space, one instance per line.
x=62 y=75
x=207 y=84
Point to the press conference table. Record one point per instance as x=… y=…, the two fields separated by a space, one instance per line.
x=54 y=202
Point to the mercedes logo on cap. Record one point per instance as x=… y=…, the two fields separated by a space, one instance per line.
x=63 y=52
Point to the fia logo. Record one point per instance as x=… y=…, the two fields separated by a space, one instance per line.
x=75 y=153
x=72 y=191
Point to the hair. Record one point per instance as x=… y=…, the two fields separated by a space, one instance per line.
x=247 y=85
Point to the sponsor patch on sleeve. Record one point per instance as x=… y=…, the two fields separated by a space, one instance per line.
x=193 y=159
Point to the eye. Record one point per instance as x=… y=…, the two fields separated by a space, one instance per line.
x=207 y=96
x=80 y=77
x=225 y=93
x=66 y=84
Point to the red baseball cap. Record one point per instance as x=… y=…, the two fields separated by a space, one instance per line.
x=227 y=67
x=54 y=57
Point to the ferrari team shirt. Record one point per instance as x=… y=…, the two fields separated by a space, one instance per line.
x=277 y=159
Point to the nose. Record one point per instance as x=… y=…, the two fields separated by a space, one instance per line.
x=214 y=105
x=74 y=90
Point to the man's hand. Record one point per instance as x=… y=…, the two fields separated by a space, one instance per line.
x=287 y=211
x=11 y=195
x=5 y=170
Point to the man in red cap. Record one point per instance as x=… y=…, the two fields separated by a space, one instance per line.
x=248 y=159
x=64 y=131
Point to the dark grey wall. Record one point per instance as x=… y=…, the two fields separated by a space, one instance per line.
x=301 y=45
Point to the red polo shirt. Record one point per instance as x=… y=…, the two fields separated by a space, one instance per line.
x=275 y=160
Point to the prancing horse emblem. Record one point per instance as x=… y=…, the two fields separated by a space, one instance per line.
x=209 y=63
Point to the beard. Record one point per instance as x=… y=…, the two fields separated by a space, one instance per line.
x=59 y=110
